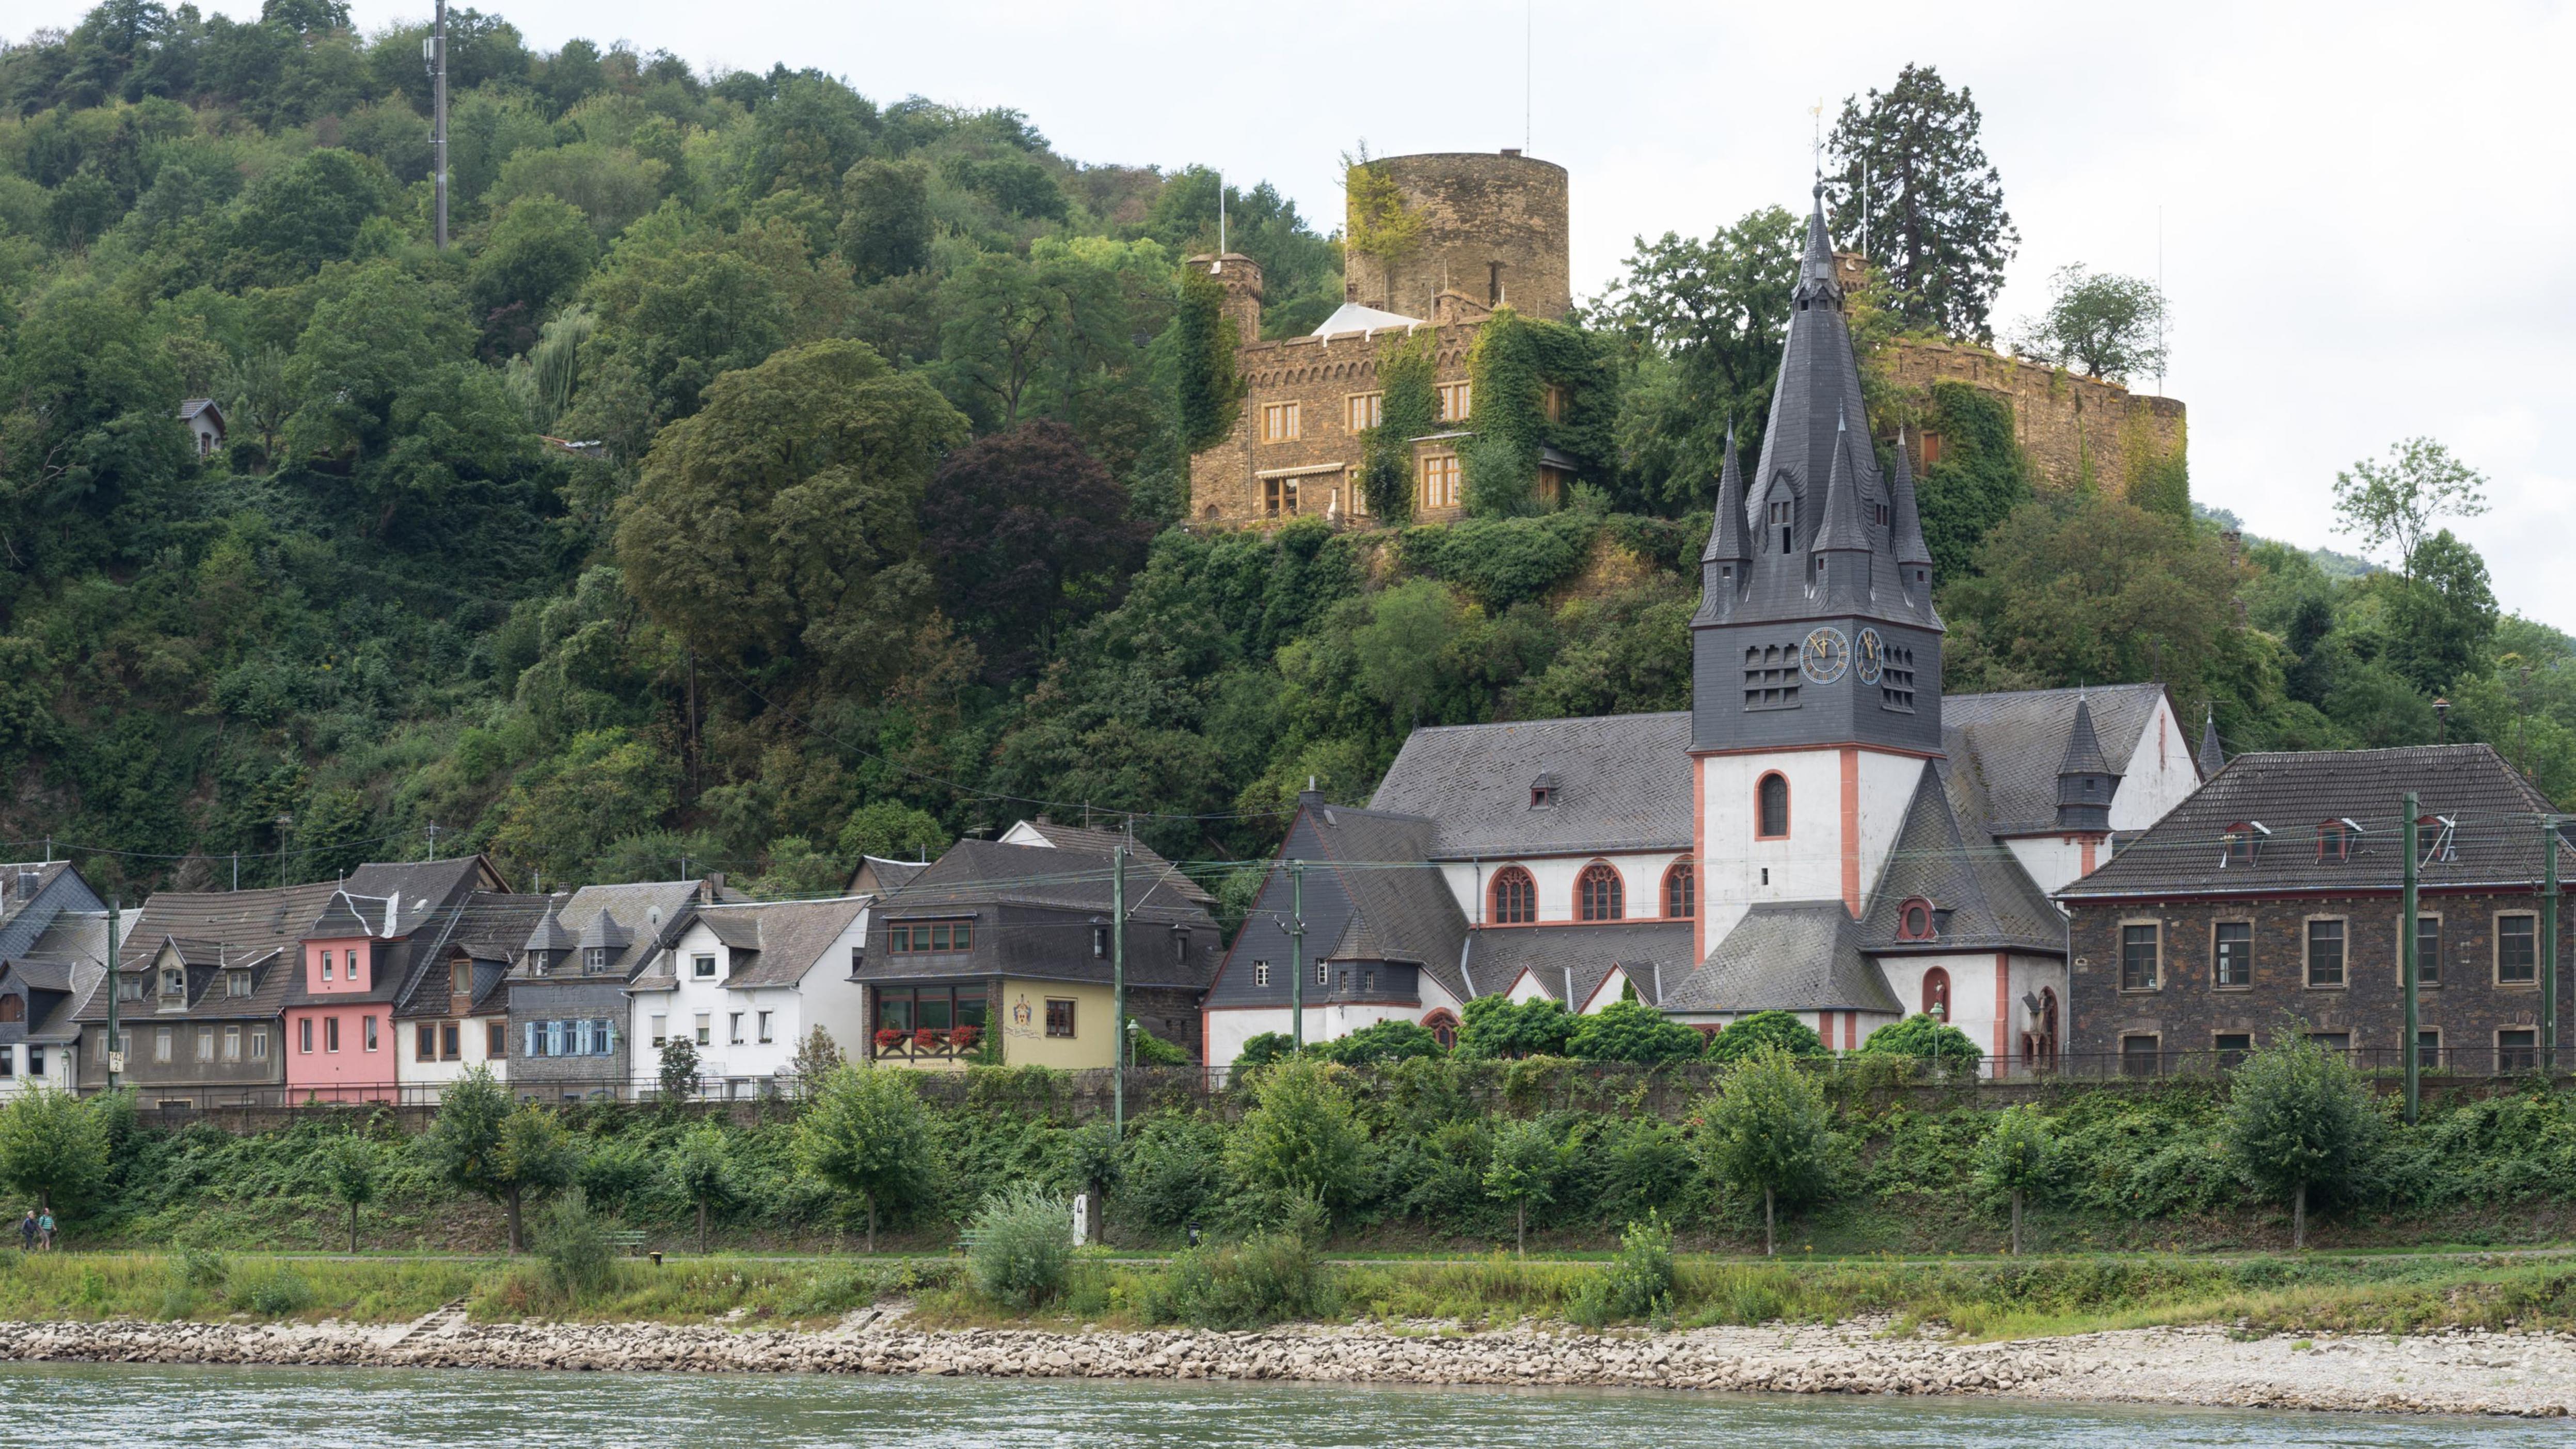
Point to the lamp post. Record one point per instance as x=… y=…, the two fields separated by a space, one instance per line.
x=2410 y=967
x=1297 y=955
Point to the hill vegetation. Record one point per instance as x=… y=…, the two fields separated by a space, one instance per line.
x=769 y=474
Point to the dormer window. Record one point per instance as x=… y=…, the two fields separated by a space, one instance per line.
x=594 y=959
x=1783 y=516
x=174 y=981
x=2441 y=840
x=237 y=983
x=1914 y=921
x=2335 y=840
x=2241 y=844
x=1543 y=792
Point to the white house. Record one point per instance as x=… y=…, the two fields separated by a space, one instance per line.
x=745 y=983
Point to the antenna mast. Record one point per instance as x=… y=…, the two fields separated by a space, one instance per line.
x=1220 y=219
x=434 y=51
x=1529 y=32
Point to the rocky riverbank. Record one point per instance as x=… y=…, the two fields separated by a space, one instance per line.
x=2458 y=1372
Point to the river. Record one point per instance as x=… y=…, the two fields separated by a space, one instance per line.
x=253 y=1408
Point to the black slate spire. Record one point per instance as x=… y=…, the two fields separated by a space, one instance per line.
x=2085 y=780
x=2213 y=758
x=1912 y=553
x=1723 y=562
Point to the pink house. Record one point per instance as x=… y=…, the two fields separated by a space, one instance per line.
x=356 y=957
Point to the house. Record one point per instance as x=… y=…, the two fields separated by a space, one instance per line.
x=2270 y=901
x=568 y=1004
x=372 y=938
x=746 y=983
x=453 y=1014
x=201 y=987
x=42 y=989
x=1008 y=942
x=878 y=876
x=1821 y=832
x=205 y=424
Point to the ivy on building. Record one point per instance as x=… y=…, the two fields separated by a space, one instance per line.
x=1980 y=477
x=1379 y=225
x=1206 y=388
x=1409 y=409
x=1514 y=364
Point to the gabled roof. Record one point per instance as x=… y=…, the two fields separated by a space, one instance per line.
x=978 y=872
x=190 y=407
x=641 y=916
x=603 y=932
x=2014 y=743
x=1655 y=954
x=419 y=889
x=790 y=937
x=883 y=875
x=1140 y=857
x=351 y=915
x=1622 y=784
x=486 y=927
x=1352 y=317
x=1787 y=956
x=70 y=957
x=2494 y=838
x=1992 y=904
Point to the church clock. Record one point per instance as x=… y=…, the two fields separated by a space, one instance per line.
x=1825 y=655
x=1869 y=655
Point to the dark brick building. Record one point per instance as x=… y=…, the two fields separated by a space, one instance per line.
x=2270 y=901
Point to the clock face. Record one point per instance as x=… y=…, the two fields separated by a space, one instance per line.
x=1870 y=655
x=1825 y=655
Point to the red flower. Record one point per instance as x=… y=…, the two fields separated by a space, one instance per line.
x=926 y=1039
x=963 y=1037
x=888 y=1039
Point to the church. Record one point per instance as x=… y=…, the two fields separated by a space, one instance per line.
x=1821 y=832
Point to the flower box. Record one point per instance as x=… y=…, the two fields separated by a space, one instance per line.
x=927 y=1039
x=963 y=1037
x=888 y=1039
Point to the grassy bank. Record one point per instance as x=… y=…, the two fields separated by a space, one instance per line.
x=2029 y=1298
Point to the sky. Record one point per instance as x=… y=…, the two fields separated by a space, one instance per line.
x=2360 y=211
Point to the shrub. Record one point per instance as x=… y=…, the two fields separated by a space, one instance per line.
x=1385 y=1041
x=573 y=1246
x=272 y=1290
x=1268 y=1278
x=2299 y=1116
x=1637 y=1284
x=1494 y=1027
x=1927 y=1037
x=1020 y=1247
x=1632 y=1031
x=1173 y=1170
x=1264 y=1049
x=1777 y=1029
x=1303 y=1139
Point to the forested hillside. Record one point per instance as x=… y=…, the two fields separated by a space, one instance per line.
x=870 y=540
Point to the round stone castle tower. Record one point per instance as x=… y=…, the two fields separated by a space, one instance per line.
x=1493 y=229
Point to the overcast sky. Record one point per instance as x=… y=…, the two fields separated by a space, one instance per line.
x=2365 y=208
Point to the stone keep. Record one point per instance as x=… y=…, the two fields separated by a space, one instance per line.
x=1494 y=229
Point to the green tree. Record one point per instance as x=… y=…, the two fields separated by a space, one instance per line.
x=2299 y=1117
x=1911 y=160
x=2393 y=505
x=1926 y=1037
x=892 y=830
x=817 y=1058
x=1632 y=1031
x=1765 y=1031
x=55 y=1148
x=350 y=1169
x=2441 y=615
x=295 y=220
x=1528 y=1160
x=1263 y=1049
x=610 y=185
x=778 y=524
x=702 y=1171
x=868 y=1135
x=1767 y=1130
x=2015 y=1158
x=1382 y=1041
x=1027 y=534
x=2107 y=324
x=1492 y=1027
x=538 y=254
x=480 y=1144
x=1302 y=1139
x=678 y=1074
x=885 y=218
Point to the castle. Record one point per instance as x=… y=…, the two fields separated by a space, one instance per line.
x=1492 y=230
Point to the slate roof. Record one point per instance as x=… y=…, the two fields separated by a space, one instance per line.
x=70 y=956
x=975 y=872
x=21 y=883
x=259 y=929
x=790 y=936
x=487 y=927
x=1787 y=956
x=644 y=913
x=2014 y=743
x=1623 y=783
x=1098 y=842
x=1656 y=955
x=1992 y=904
x=1401 y=907
x=2496 y=840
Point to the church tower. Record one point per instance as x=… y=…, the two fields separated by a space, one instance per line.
x=1816 y=652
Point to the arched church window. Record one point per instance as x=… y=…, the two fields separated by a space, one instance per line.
x=1515 y=897
x=1681 y=892
x=1936 y=994
x=1598 y=895
x=1771 y=806
x=1443 y=1026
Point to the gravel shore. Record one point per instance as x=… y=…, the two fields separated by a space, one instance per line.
x=2511 y=1373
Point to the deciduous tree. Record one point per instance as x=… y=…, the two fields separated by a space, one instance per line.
x=867 y=1134
x=2299 y=1117
x=2393 y=504
x=1767 y=1130
x=2107 y=324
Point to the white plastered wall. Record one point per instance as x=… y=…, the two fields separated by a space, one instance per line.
x=1974 y=1008
x=1641 y=879
x=1808 y=865
x=1228 y=1028
x=2161 y=773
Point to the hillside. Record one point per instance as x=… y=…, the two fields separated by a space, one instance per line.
x=871 y=537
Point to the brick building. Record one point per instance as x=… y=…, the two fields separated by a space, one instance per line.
x=2270 y=901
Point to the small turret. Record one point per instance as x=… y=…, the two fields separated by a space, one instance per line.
x=1729 y=552
x=2213 y=757
x=1913 y=555
x=1841 y=566
x=2085 y=782
x=1241 y=277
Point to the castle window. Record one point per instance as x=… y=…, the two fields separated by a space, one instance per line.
x=2325 y=953
x=1936 y=994
x=1598 y=894
x=1681 y=892
x=1364 y=410
x=1453 y=402
x=1553 y=402
x=1279 y=497
x=1931 y=449
x=1914 y=920
x=1282 y=422
x=1771 y=807
x=1515 y=897
x=1356 y=489
x=1439 y=481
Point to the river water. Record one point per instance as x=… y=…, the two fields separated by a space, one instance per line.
x=251 y=1408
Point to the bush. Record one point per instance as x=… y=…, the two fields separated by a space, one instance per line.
x=1631 y=1031
x=2299 y=1116
x=1927 y=1037
x=272 y=1290
x=1302 y=1140
x=1494 y=1027
x=573 y=1246
x=1637 y=1284
x=1777 y=1029
x=1385 y=1041
x=1266 y=1048
x=1173 y=1170
x=1268 y=1278
x=1020 y=1247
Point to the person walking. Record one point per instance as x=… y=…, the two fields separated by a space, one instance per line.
x=45 y=1230
x=27 y=1232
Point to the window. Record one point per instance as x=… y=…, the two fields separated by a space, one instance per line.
x=205 y=1043
x=1368 y=981
x=2231 y=958
x=1279 y=497
x=451 y=1040
x=1443 y=1026
x=368 y=1027
x=1936 y=993
x=594 y=959
x=733 y=1028
x=2428 y=1049
x=330 y=1033
x=536 y=1039
x=2517 y=950
x=496 y=1040
x=130 y=989
x=1059 y=1017
x=13 y=1008
x=2334 y=841
x=2428 y=952
x=326 y=965
x=237 y=983
x=2325 y=953
x=2517 y=1050
x=304 y=1035
x=35 y=1061
x=1323 y=974
x=2339 y=1042
x=2232 y=1048
x=1260 y=973
x=161 y=1044
x=702 y=968
x=1681 y=892
x=424 y=1043
x=351 y=971
x=941 y=936
x=1931 y=449
x=603 y=1038
x=174 y=982
x=1364 y=410
x=1552 y=400
x=1515 y=897
x=1543 y=796
x=1771 y=807
x=1598 y=895
x=1345 y=984
x=8 y=1061
x=1282 y=422
x=705 y=1037
x=232 y=1044
x=1454 y=402
x=1355 y=488
x=1914 y=921
x=661 y=1029
x=2241 y=842
x=2141 y=953
x=764 y=1026
x=259 y=1043
x=2140 y=1056
x=559 y=1038
x=1439 y=481
x=937 y=1008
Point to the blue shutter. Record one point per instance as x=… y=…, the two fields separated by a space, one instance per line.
x=607 y=1038
x=536 y=1042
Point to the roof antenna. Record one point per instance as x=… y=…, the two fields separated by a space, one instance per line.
x=1529 y=29
x=1220 y=219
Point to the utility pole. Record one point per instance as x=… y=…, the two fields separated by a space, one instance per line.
x=2406 y=949
x=115 y=986
x=1297 y=954
x=1118 y=991
x=434 y=50
x=2549 y=944
x=433 y=842
x=236 y=870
